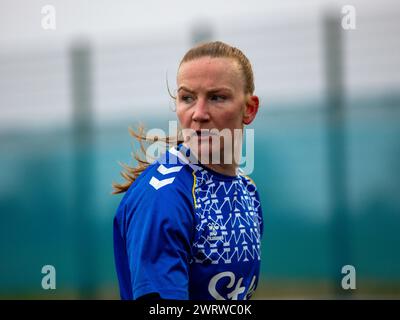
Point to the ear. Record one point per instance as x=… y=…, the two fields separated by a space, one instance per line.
x=251 y=109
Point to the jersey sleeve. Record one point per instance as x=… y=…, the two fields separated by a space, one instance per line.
x=159 y=231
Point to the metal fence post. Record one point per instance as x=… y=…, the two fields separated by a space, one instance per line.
x=336 y=153
x=83 y=138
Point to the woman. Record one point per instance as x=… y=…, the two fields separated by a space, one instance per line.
x=189 y=229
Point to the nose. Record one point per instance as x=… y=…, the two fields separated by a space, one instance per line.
x=201 y=112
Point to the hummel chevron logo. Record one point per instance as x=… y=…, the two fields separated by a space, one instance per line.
x=163 y=170
x=179 y=155
x=157 y=184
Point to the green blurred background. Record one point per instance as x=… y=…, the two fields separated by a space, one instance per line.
x=327 y=147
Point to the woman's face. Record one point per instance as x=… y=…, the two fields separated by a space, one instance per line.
x=210 y=96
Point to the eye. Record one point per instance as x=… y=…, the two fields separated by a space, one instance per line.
x=187 y=98
x=218 y=98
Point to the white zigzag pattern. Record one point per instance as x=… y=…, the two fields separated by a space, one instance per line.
x=227 y=255
x=235 y=210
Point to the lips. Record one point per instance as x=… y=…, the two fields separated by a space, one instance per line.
x=204 y=133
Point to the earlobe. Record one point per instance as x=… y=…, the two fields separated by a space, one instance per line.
x=247 y=120
x=250 y=110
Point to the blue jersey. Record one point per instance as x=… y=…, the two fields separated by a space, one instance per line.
x=187 y=232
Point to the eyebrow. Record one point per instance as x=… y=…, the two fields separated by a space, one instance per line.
x=186 y=89
x=213 y=90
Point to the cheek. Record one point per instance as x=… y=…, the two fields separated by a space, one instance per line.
x=182 y=117
x=230 y=119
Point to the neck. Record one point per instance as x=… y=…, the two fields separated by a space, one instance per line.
x=229 y=169
x=226 y=169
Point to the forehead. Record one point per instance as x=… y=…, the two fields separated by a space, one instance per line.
x=210 y=72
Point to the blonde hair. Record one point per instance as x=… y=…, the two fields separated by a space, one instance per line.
x=216 y=49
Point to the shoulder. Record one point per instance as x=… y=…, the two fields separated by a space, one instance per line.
x=249 y=182
x=171 y=171
x=162 y=194
x=168 y=178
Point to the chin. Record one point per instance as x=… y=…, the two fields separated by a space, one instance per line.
x=206 y=152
